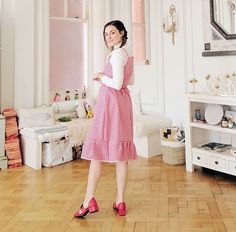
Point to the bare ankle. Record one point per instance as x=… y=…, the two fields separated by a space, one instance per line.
x=86 y=201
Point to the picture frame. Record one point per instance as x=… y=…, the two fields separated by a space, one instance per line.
x=216 y=42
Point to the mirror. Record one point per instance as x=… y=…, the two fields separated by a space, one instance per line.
x=223 y=17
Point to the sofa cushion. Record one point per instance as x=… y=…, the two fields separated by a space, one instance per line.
x=78 y=129
x=64 y=106
x=46 y=133
x=74 y=108
x=145 y=125
x=33 y=117
x=80 y=110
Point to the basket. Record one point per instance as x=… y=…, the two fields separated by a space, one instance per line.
x=173 y=152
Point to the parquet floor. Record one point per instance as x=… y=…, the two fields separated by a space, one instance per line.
x=159 y=197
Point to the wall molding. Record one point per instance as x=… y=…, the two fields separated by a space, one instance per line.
x=41 y=93
x=189 y=48
x=7 y=54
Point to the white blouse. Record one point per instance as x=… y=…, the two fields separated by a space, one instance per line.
x=118 y=60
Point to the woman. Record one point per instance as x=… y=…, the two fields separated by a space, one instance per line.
x=110 y=138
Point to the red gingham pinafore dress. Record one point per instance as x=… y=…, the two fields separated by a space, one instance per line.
x=110 y=137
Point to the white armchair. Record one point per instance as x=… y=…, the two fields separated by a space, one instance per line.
x=147 y=129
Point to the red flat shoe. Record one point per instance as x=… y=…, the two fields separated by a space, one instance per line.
x=120 y=208
x=92 y=208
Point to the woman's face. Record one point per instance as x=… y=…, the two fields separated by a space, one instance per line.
x=112 y=36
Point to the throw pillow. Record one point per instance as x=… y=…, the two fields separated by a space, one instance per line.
x=136 y=102
x=80 y=110
x=64 y=106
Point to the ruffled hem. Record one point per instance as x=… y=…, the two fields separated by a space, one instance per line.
x=109 y=151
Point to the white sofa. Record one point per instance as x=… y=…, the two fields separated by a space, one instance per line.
x=40 y=125
x=146 y=131
x=147 y=128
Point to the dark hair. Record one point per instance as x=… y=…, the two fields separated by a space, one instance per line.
x=120 y=27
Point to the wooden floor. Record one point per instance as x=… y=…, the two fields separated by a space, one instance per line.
x=159 y=197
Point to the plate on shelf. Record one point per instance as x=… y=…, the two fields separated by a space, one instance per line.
x=213 y=114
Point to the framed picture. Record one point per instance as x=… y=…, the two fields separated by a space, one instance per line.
x=219 y=36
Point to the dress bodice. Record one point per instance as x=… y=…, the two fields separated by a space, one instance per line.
x=128 y=69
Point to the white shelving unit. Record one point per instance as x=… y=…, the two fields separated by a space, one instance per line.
x=200 y=133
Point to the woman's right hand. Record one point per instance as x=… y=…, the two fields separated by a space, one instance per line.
x=97 y=76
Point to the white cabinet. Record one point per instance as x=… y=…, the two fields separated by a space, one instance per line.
x=202 y=133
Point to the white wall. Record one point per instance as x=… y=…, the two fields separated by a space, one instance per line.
x=7 y=54
x=178 y=63
x=149 y=78
x=163 y=83
x=121 y=10
x=146 y=76
x=216 y=66
x=18 y=73
x=174 y=60
x=24 y=54
x=100 y=14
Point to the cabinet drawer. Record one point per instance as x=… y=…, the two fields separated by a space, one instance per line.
x=232 y=167
x=199 y=159
x=217 y=163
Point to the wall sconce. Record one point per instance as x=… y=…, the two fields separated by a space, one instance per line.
x=232 y=6
x=172 y=27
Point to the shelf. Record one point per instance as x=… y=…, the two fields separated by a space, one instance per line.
x=211 y=99
x=195 y=155
x=214 y=128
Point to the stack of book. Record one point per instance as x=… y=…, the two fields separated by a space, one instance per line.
x=12 y=143
x=219 y=147
x=3 y=158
